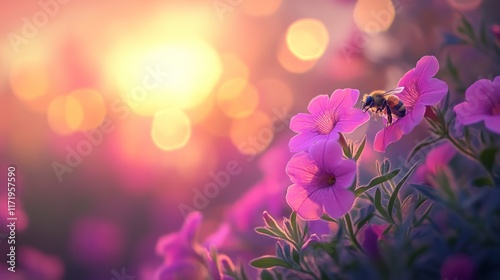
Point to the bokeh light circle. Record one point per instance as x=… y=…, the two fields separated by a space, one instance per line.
x=92 y=106
x=29 y=79
x=373 y=16
x=237 y=98
x=307 y=38
x=65 y=114
x=171 y=129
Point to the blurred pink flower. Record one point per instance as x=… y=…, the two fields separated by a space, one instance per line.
x=436 y=160
x=184 y=258
x=458 y=267
x=328 y=117
x=181 y=244
x=495 y=30
x=420 y=90
x=482 y=103
x=369 y=236
x=321 y=179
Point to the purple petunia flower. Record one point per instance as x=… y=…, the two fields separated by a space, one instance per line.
x=482 y=103
x=420 y=90
x=370 y=234
x=321 y=178
x=437 y=159
x=328 y=117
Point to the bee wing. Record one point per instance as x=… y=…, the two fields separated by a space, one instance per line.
x=394 y=91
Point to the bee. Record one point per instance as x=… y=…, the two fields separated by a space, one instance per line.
x=378 y=101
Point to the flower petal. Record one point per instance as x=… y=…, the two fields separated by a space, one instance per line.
x=344 y=172
x=387 y=136
x=343 y=99
x=304 y=140
x=492 y=123
x=191 y=225
x=351 y=120
x=318 y=104
x=301 y=169
x=326 y=154
x=303 y=202
x=337 y=201
x=412 y=119
x=301 y=122
x=426 y=68
x=433 y=91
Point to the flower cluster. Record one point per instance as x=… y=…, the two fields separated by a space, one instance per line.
x=418 y=223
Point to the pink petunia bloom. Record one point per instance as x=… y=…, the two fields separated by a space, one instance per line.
x=482 y=103
x=321 y=178
x=420 y=90
x=328 y=117
x=184 y=258
x=370 y=234
x=437 y=159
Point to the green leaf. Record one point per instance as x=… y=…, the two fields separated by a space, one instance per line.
x=466 y=29
x=424 y=216
x=266 y=275
x=376 y=181
x=483 y=34
x=378 y=204
x=482 y=181
x=452 y=69
x=487 y=157
x=360 y=149
x=428 y=192
x=268 y=262
x=394 y=195
x=267 y=231
x=327 y=218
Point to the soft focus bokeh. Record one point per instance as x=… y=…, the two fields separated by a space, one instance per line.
x=123 y=116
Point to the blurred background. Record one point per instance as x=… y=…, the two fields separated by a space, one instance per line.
x=123 y=116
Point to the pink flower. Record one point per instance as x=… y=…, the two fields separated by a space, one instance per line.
x=370 y=234
x=482 y=103
x=495 y=30
x=459 y=266
x=420 y=90
x=321 y=179
x=328 y=117
x=181 y=244
x=437 y=159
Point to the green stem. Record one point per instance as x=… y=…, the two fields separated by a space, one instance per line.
x=351 y=232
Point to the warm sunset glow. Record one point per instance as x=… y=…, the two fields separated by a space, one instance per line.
x=373 y=16
x=252 y=134
x=65 y=114
x=233 y=67
x=176 y=74
x=171 y=129
x=307 y=38
x=260 y=7
x=237 y=98
x=29 y=79
x=92 y=106
x=275 y=95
